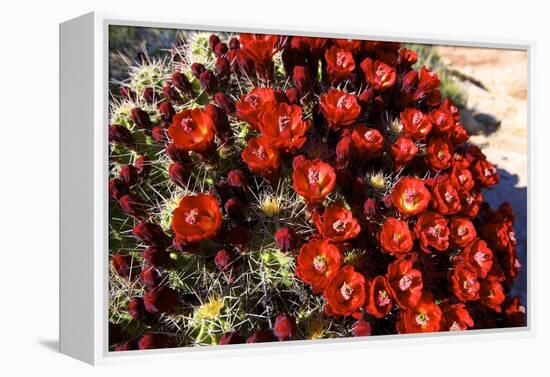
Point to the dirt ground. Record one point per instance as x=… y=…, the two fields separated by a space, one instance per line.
x=496 y=114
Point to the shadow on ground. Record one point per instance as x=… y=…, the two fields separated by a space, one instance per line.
x=51 y=344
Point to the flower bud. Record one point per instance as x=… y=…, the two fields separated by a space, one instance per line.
x=160 y=300
x=286 y=239
x=301 y=79
x=284 y=327
x=183 y=247
x=293 y=96
x=235 y=209
x=170 y=93
x=213 y=41
x=128 y=173
x=156 y=341
x=177 y=154
x=361 y=328
x=366 y=98
x=148 y=95
x=133 y=205
x=239 y=237
x=125 y=266
x=141 y=118
x=237 y=180
x=136 y=309
x=179 y=174
x=222 y=68
x=150 y=276
x=220 y=49
x=223 y=259
x=126 y=92
x=221 y=123
x=118 y=188
x=369 y=208
x=197 y=69
x=225 y=102
x=181 y=82
x=157 y=257
x=260 y=336
x=130 y=345
x=231 y=337
x=150 y=234
x=143 y=167
x=159 y=134
x=208 y=82
x=343 y=152
x=166 y=111
x=121 y=135
x=234 y=43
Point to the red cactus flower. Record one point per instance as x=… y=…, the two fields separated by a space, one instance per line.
x=253 y=104
x=379 y=298
x=361 y=328
x=405 y=283
x=403 y=150
x=337 y=223
x=260 y=157
x=424 y=317
x=317 y=262
x=340 y=63
x=395 y=237
x=491 y=294
x=445 y=196
x=378 y=75
x=367 y=142
x=410 y=196
x=456 y=317
x=462 y=177
x=442 y=121
x=192 y=130
x=339 y=108
x=313 y=180
x=432 y=231
x=416 y=124
x=464 y=283
x=197 y=218
x=439 y=154
x=284 y=327
x=485 y=173
x=407 y=57
x=260 y=49
x=283 y=127
x=462 y=231
x=345 y=293
x=478 y=257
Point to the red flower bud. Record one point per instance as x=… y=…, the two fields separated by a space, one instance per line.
x=221 y=123
x=260 y=336
x=220 y=50
x=126 y=92
x=235 y=209
x=179 y=173
x=343 y=152
x=125 y=266
x=223 y=260
x=150 y=276
x=177 y=154
x=136 y=309
x=128 y=173
x=369 y=208
x=301 y=79
x=141 y=119
x=121 y=135
x=156 y=341
x=160 y=135
x=284 y=327
x=237 y=179
x=361 y=328
x=170 y=93
x=157 y=257
x=143 y=167
x=160 y=300
x=239 y=237
x=222 y=68
x=181 y=82
x=231 y=337
x=166 y=111
x=234 y=43
x=225 y=102
x=213 y=41
x=286 y=239
x=293 y=96
x=197 y=69
x=148 y=95
x=133 y=205
x=150 y=234
x=208 y=82
x=117 y=188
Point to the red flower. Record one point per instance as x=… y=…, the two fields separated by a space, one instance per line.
x=339 y=108
x=260 y=157
x=283 y=127
x=442 y=120
x=260 y=49
x=515 y=312
x=352 y=45
x=462 y=231
x=395 y=237
x=456 y=318
x=337 y=223
x=410 y=196
x=424 y=317
x=379 y=298
x=427 y=90
x=416 y=124
x=340 y=63
x=485 y=173
x=492 y=294
x=439 y=154
x=284 y=327
x=405 y=283
x=445 y=196
x=317 y=262
x=478 y=257
x=197 y=218
x=462 y=177
x=192 y=130
x=403 y=150
x=286 y=239
x=378 y=75
x=361 y=328
x=464 y=283
x=432 y=231
x=254 y=103
x=345 y=293
x=313 y=180
x=367 y=142
x=470 y=203
x=407 y=57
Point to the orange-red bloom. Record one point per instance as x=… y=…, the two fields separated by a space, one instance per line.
x=464 y=283
x=317 y=262
x=424 y=317
x=367 y=142
x=379 y=299
x=283 y=127
x=339 y=108
x=485 y=173
x=345 y=293
x=445 y=196
x=378 y=75
x=432 y=231
x=492 y=294
x=253 y=104
x=410 y=196
x=442 y=120
x=395 y=237
x=340 y=63
x=197 y=218
x=337 y=223
x=192 y=130
x=260 y=157
x=403 y=151
x=260 y=49
x=456 y=317
x=478 y=257
x=462 y=231
x=439 y=154
x=405 y=282
x=313 y=180
x=416 y=124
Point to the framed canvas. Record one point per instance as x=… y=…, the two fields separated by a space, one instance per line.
x=249 y=189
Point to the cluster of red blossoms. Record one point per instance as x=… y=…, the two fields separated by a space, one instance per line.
x=402 y=240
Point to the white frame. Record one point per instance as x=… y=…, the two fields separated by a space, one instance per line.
x=84 y=197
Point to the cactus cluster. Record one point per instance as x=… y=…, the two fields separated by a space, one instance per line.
x=269 y=187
